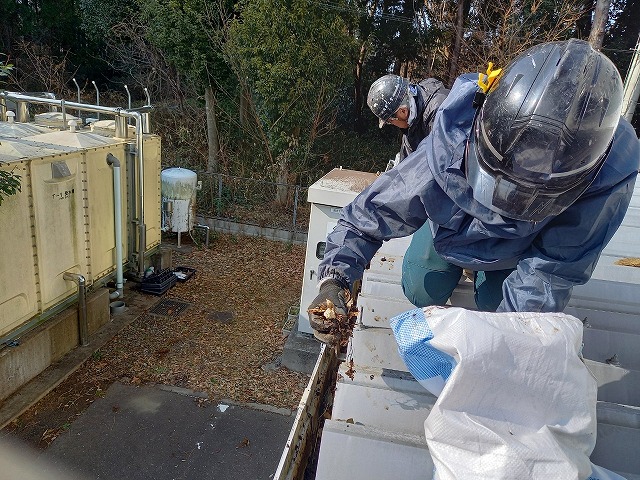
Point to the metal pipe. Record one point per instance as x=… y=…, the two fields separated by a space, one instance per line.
x=83 y=326
x=78 y=89
x=121 y=127
x=18 y=97
x=204 y=227
x=295 y=207
x=117 y=218
x=97 y=96
x=22 y=111
x=64 y=115
x=142 y=228
x=128 y=98
x=146 y=120
x=632 y=85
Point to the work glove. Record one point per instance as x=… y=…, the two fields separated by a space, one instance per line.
x=324 y=316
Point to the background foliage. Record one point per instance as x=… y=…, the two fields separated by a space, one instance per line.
x=276 y=89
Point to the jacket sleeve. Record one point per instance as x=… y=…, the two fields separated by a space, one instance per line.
x=566 y=251
x=392 y=206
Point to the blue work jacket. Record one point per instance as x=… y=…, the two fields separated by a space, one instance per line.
x=549 y=257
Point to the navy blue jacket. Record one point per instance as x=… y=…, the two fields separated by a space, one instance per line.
x=550 y=256
x=429 y=95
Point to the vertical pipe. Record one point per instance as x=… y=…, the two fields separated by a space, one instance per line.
x=117 y=216
x=64 y=115
x=142 y=228
x=295 y=206
x=121 y=129
x=146 y=122
x=97 y=96
x=22 y=112
x=219 y=202
x=83 y=326
x=207 y=229
x=128 y=97
x=128 y=102
x=78 y=89
x=146 y=117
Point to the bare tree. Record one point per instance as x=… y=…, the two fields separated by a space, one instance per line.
x=37 y=69
x=499 y=31
x=462 y=11
x=600 y=17
x=212 y=130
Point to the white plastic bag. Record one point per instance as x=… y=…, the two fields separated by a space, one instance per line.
x=515 y=400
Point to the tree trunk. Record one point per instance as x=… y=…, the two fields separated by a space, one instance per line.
x=282 y=179
x=456 y=44
x=244 y=107
x=358 y=94
x=212 y=130
x=357 y=89
x=600 y=17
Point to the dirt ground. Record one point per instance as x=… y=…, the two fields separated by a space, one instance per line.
x=226 y=343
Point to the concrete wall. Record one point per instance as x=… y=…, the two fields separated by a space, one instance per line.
x=48 y=343
x=227 y=226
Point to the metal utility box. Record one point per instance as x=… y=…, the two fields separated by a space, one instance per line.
x=327 y=197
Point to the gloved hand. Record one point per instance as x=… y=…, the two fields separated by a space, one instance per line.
x=322 y=316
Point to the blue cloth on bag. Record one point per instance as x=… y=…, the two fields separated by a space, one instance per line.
x=413 y=333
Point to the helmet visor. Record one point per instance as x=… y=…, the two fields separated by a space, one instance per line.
x=517 y=200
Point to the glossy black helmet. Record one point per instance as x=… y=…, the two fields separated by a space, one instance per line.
x=544 y=131
x=386 y=95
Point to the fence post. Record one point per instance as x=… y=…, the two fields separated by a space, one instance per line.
x=295 y=207
x=219 y=202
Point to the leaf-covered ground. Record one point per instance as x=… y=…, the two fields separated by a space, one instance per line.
x=226 y=343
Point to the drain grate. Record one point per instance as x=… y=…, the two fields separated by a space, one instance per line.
x=169 y=308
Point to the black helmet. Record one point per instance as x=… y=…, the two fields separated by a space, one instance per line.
x=543 y=133
x=386 y=95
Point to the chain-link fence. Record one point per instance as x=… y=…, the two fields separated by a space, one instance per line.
x=255 y=202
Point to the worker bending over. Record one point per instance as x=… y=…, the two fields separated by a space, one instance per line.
x=524 y=177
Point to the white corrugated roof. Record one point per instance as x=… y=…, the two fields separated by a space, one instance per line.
x=376 y=429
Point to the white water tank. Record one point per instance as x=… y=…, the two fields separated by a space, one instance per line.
x=178 y=190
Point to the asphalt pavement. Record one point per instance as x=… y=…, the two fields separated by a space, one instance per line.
x=158 y=433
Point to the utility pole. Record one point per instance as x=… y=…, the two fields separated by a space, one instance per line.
x=632 y=85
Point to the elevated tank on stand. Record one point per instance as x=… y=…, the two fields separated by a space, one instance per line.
x=178 y=190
